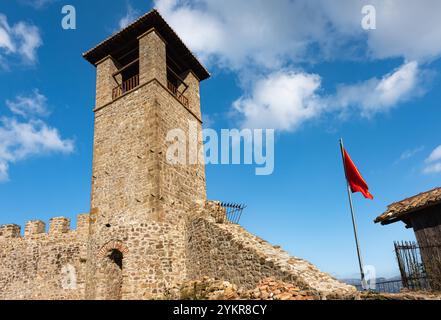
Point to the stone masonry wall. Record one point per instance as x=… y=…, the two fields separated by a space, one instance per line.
x=138 y=199
x=227 y=251
x=44 y=265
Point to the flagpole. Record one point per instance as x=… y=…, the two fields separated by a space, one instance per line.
x=354 y=223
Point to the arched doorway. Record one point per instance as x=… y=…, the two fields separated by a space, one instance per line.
x=110 y=272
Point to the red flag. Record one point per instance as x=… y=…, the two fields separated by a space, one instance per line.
x=355 y=180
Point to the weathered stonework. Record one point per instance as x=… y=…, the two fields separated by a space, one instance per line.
x=150 y=225
x=223 y=250
x=44 y=265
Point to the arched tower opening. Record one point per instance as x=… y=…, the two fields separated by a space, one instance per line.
x=117 y=257
x=110 y=275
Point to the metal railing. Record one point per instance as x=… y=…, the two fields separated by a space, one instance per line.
x=392 y=286
x=420 y=269
x=126 y=86
x=230 y=211
x=420 y=266
x=389 y=286
x=174 y=90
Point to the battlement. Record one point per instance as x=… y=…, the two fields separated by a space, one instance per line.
x=57 y=226
x=9 y=231
x=34 y=227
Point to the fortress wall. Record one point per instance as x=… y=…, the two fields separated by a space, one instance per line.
x=227 y=251
x=152 y=255
x=43 y=265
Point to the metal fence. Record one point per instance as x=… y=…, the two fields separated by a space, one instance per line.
x=393 y=286
x=231 y=211
x=389 y=286
x=410 y=263
x=420 y=266
x=420 y=269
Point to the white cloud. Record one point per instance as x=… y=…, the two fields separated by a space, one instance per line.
x=409 y=29
x=6 y=41
x=242 y=33
x=380 y=95
x=28 y=40
x=21 y=39
x=27 y=106
x=407 y=154
x=272 y=33
x=433 y=168
x=264 y=37
x=20 y=139
x=129 y=17
x=283 y=100
x=3 y=171
x=435 y=155
x=433 y=162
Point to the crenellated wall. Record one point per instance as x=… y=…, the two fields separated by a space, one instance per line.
x=52 y=265
x=42 y=265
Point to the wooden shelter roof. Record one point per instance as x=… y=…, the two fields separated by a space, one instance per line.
x=396 y=211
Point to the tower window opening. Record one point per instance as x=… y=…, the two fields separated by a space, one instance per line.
x=130 y=72
x=127 y=76
x=175 y=83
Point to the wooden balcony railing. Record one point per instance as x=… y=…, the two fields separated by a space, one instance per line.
x=127 y=85
x=133 y=82
x=183 y=99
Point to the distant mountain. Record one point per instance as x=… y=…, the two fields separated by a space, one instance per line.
x=356 y=281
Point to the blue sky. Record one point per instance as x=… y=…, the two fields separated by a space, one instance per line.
x=305 y=68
